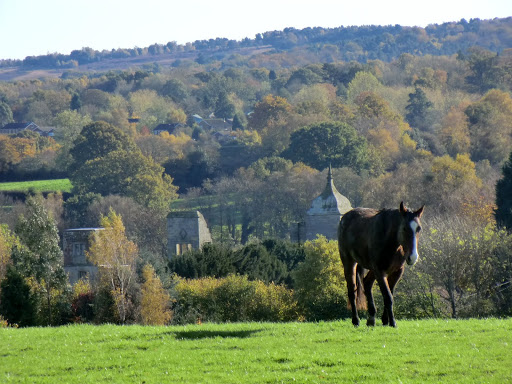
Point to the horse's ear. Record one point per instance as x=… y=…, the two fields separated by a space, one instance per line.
x=419 y=212
x=403 y=208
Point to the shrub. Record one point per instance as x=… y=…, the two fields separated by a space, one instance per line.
x=233 y=299
x=319 y=281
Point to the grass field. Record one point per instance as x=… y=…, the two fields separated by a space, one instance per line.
x=428 y=351
x=56 y=185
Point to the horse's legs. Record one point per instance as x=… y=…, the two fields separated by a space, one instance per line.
x=369 y=279
x=393 y=278
x=388 y=298
x=350 y=277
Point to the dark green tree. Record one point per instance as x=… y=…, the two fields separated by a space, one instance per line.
x=175 y=89
x=322 y=144
x=239 y=121
x=503 y=212
x=17 y=305
x=417 y=108
x=214 y=260
x=76 y=102
x=5 y=114
x=97 y=140
x=257 y=263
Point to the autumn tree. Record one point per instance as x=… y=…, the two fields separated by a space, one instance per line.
x=319 y=281
x=116 y=258
x=454 y=132
x=489 y=127
x=155 y=300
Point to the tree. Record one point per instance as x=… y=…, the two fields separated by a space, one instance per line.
x=97 y=140
x=418 y=108
x=113 y=164
x=490 y=128
x=40 y=255
x=454 y=132
x=7 y=242
x=503 y=211
x=16 y=301
x=155 y=300
x=269 y=109
x=116 y=258
x=322 y=144
x=5 y=114
x=319 y=281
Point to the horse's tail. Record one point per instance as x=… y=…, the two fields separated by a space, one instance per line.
x=361 y=303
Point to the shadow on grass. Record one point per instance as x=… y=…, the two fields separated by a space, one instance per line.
x=194 y=335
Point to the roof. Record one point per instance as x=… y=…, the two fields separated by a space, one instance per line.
x=24 y=125
x=184 y=214
x=167 y=127
x=330 y=201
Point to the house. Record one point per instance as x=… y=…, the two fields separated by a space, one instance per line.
x=186 y=230
x=15 y=128
x=170 y=128
x=74 y=244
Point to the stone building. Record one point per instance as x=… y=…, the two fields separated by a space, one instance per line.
x=325 y=212
x=186 y=230
x=74 y=244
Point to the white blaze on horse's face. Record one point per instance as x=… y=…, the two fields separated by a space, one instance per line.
x=413 y=257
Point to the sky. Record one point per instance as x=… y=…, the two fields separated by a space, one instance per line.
x=38 y=27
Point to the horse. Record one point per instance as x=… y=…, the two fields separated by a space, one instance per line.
x=375 y=245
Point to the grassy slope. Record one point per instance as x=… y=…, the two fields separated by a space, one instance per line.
x=62 y=185
x=431 y=351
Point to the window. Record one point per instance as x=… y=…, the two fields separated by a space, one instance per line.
x=182 y=248
x=82 y=275
x=79 y=253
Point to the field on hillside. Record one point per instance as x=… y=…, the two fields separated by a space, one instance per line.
x=56 y=185
x=427 y=351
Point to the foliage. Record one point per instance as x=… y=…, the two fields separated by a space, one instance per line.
x=322 y=144
x=233 y=299
x=115 y=257
x=39 y=257
x=214 y=260
x=319 y=281
x=17 y=303
x=155 y=300
x=503 y=212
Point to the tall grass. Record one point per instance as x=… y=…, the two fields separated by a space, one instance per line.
x=56 y=185
x=427 y=351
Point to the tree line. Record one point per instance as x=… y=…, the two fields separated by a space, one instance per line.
x=360 y=43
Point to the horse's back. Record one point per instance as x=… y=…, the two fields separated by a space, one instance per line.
x=353 y=232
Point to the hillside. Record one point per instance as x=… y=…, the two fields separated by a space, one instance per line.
x=358 y=43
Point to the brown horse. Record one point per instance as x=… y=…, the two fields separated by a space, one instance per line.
x=374 y=245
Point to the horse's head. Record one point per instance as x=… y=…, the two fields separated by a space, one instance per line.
x=408 y=232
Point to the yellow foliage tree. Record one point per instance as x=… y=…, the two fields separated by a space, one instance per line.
x=155 y=300
x=115 y=257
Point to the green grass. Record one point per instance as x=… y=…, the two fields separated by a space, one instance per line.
x=428 y=351
x=56 y=185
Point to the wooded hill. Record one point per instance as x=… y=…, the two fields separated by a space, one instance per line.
x=359 y=43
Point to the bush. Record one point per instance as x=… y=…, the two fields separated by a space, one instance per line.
x=233 y=299
x=319 y=282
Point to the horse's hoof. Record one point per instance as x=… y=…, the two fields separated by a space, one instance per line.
x=370 y=322
x=355 y=322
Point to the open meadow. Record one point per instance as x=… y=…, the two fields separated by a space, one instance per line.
x=426 y=351
x=55 y=185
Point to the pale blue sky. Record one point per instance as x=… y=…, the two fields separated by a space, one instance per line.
x=36 y=27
